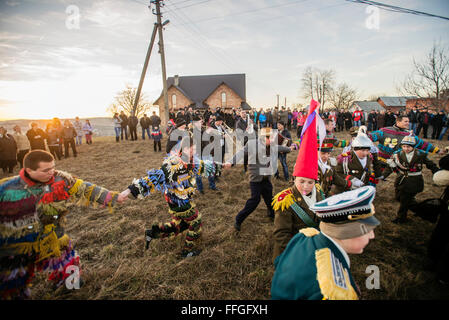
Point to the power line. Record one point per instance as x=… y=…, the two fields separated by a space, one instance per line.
x=192 y=5
x=252 y=10
x=188 y=23
x=392 y=8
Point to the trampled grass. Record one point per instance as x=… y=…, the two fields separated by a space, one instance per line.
x=231 y=265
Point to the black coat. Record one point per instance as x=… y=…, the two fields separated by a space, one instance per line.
x=145 y=122
x=36 y=139
x=8 y=148
x=413 y=116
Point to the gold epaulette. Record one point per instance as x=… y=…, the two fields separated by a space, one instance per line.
x=332 y=277
x=318 y=187
x=283 y=200
x=309 y=232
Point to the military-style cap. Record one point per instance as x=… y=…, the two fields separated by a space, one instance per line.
x=347 y=215
x=408 y=140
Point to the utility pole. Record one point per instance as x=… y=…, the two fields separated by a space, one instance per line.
x=164 y=115
x=144 y=70
x=285 y=102
x=277 y=100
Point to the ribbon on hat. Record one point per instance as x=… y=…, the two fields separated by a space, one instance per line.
x=314 y=114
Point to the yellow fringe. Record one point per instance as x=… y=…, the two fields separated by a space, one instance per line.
x=309 y=232
x=7 y=179
x=7 y=232
x=283 y=200
x=74 y=189
x=325 y=277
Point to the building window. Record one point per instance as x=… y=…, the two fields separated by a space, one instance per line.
x=223 y=99
x=173 y=100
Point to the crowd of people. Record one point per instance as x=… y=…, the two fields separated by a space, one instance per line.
x=325 y=214
x=56 y=137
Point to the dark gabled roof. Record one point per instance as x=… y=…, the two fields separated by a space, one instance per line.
x=395 y=101
x=198 y=88
x=245 y=106
x=369 y=105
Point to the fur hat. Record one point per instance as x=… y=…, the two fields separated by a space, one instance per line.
x=362 y=140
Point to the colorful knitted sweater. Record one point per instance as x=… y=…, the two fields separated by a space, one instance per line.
x=389 y=139
x=31 y=225
x=175 y=179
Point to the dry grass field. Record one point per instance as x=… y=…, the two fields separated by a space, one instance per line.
x=232 y=265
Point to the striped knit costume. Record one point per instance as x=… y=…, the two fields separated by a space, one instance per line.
x=176 y=180
x=389 y=139
x=32 y=236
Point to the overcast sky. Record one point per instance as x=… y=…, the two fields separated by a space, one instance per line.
x=53 y=64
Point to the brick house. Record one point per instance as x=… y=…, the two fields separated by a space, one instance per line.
x=394 y=104
x=225 y=91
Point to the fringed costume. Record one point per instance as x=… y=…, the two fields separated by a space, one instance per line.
x=389 y=139
x=176 y=180
x=32 y=236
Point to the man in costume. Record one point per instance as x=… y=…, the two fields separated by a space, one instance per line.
x=262 y=162
x=176 y=180
x=197 y=131
x=315 y=264
x=408 y=163
x=33 y=206
x=356 y=167
x=292 y=205
x=389 y=138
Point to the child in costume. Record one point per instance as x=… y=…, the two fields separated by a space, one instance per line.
x=327 y=175
x=408 y=163
x=356 y=167
x=389 y=139
x=292 y=205
x=33 y=206
x=156 y=135
x=175 y=179
x=315 y=264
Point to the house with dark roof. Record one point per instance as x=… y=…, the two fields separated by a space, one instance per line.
x=224 y=91
x=394 y=104
x=366 y=106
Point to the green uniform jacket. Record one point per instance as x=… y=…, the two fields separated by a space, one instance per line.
x=312 y=268
x=286 y=221
x=408 y=178
x=349 y=167
x=330 y=177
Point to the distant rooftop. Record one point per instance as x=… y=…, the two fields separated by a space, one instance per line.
x=396 y=101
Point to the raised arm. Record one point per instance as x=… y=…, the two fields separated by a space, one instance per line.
x=84 y=193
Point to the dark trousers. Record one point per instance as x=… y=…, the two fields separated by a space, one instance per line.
x=158 y=144
x=258 y=189
x=406 y=200
x=133 y=133
x=124 y=129
x=283 y=158
x=70 y=142
x=148 y=133
x=20 y=155
x=424 y=128
x=8 y=165
x=54 y=150
x=436 y=132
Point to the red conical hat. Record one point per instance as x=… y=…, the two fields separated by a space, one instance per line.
x=307 y=161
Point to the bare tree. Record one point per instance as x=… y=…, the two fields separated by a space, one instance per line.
x=430 y=77
x=342 y=96
x=124 y=101
x=317 y=84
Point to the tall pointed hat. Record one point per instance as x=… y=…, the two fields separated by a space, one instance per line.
x=307 y=161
